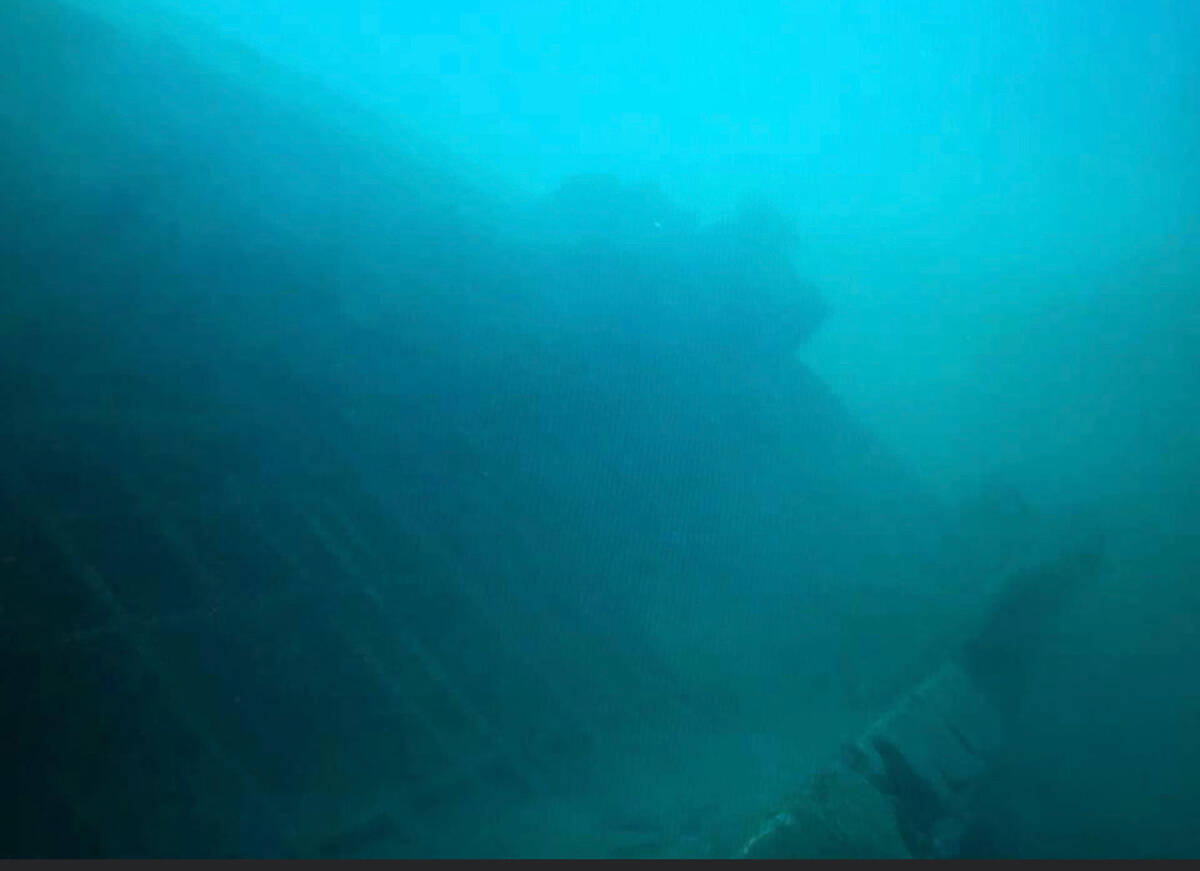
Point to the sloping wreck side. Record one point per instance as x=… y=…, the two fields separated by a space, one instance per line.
x=325 y=510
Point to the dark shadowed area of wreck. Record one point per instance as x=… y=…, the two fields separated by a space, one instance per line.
x=347 y=509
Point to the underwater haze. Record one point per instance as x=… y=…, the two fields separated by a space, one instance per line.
x=557 y=429
x=999 y=199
